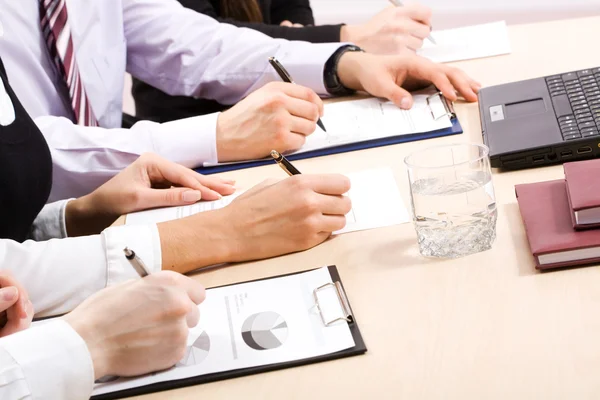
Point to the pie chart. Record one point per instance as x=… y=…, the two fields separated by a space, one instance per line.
x=197 y=352
x=264 y=331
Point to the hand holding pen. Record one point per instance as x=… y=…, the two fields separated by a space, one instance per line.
x=286 y=77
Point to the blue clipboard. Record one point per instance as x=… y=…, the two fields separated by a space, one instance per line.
x=455 y=129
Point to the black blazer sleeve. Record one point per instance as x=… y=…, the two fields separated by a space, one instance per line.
x=296 y=11
x=314 y=34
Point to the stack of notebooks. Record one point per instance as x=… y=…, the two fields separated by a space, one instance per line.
x=562 y=217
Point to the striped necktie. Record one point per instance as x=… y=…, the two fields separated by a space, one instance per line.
x=57 y=34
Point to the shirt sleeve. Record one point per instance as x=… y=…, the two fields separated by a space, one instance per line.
x=60 y=273
x=182 y=52
x=85 y=158
x=47 y=361
x=50 y=222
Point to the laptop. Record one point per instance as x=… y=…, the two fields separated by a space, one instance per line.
x=542 y=121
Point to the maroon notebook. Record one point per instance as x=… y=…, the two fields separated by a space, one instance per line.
x=547 y=216
x=583 y=183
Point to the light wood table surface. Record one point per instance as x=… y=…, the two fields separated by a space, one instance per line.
x=488 y=326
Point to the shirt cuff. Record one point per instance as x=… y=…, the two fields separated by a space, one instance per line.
x=308 y=74
x=190 y=141
x=143 y=239
x=54 y=360
x=50 y=222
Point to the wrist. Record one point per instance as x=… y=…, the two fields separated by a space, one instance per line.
x=83 y=218
x=85 y=329
x=197 y=241
x=347 y=69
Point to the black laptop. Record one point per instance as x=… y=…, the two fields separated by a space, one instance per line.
x=542 y=121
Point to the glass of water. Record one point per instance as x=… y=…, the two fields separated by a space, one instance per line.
x=453 y=201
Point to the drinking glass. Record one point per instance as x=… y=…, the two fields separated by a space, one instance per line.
x=452 y=198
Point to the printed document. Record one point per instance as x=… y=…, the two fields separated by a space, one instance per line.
x=376 y=202
x=369 y=119
x=252 y=324
x=469 y=42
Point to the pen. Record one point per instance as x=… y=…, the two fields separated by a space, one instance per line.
x=286 y=77
x=136 y=262
x=398 y=3
x=284 y=163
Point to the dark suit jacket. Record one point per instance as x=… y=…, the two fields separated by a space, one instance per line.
x=155 y=105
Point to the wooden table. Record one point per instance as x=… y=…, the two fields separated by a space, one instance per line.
x=488 y=326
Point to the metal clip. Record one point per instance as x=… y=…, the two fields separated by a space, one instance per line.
x=448 y=106
x=341 y=296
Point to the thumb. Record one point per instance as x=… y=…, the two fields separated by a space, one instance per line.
x=152 y=198
x=8 y=297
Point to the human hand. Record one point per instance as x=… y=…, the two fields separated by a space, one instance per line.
x=16 y=310
x=149 y=182
x=291 y=24
x=278 y=116
x=392 y=31
x=294 y=214
x=139 y=326
x=391 y=77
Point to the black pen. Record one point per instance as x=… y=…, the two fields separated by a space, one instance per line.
x=285 y=76
x=136 y=262
x=284 y=163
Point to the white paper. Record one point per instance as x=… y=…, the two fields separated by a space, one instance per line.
x=369 y=119
x=469 y=42
x=252 y=324
x=376 y=202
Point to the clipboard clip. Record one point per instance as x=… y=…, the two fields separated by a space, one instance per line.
x=341 y=296
x=448 y=106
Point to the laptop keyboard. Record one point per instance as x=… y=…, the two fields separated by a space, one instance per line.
x=576 y=100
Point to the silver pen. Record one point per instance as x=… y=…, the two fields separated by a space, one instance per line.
x=398 y=3
x=136 y=262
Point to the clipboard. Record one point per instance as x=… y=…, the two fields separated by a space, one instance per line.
x=455 y=129
x=347 y=315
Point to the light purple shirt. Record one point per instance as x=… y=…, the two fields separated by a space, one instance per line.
x=158 y=41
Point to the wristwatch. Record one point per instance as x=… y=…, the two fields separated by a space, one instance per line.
x=330 y=74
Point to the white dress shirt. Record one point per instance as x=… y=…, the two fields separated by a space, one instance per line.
x=49 y=361
x=158 y=41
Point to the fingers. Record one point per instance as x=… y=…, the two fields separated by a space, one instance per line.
x=194 y=289
x=334 y=205
x=417 y=29
x=193 y=317
x=8 y=297
x=333 y=184
x=20 y=310
x=298 y=26
x=418 y=12
x=286 y=23
x=303 y=127
x=299 y=92
x=209 y=188
x=303 y=109
x=414 y=43
x=399 y=96
x=466 y=86
x=332 y=223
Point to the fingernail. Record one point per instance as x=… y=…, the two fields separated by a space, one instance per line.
x=405 y=103
x=191 y=196
x=9 y=293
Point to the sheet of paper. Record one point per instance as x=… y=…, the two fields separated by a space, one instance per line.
x=363 y=120
x=376 y=202
x=469 y=42
x=253 y=324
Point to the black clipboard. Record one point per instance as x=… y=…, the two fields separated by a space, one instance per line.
x=359 y=348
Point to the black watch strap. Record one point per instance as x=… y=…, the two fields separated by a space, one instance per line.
x=330 y=74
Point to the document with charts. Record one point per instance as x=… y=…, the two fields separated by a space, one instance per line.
x=257 y=323
x=468 y=42
x=376 y=202
x=357 y=121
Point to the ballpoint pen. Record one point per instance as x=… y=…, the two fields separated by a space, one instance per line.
x=136 y=262
x=284 y=163
x=398 y=3
x=286 y=77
